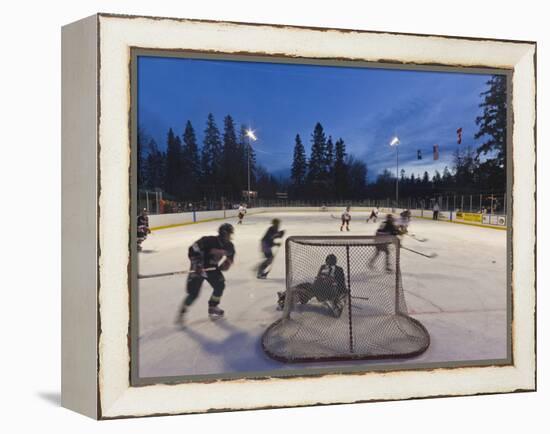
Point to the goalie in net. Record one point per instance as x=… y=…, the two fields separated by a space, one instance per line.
x=342 y=303
x=329 y=288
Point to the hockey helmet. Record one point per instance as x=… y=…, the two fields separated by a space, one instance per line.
x=331 y=259
x=226 y=230
x=276 y=222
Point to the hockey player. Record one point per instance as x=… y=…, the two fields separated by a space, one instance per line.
x=405 y=218
x=142 y=228
x=267 y=244
x=205 y=255
x=346 y=217
x=242 y=212
x=329 y=287
x=436 y=211
x=373 y=215
x=388 y=227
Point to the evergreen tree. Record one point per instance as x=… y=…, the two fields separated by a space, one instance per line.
x=385 y=185
x=317 y=160
x=211 y=157
x=141 y=158
x=230 y=159
x=426 y=179
x=447 y=178
x=266 y=185
x=340 y=169
x=180 y=187
x=329 y=156
x=403 y=184
x=191 y=162
x=436 y=179
x=466 y=169
x=426 y=185
x=154 y=166
x=357 y=171
x=491 y=173
x=173 y=163
x=492 y=124
x=299 y=167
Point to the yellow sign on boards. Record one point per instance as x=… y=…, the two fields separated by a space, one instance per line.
x=469 y=216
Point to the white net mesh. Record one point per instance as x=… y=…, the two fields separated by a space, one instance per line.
x=344 y=300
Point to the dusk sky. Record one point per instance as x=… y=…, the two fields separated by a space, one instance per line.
x=365 y=107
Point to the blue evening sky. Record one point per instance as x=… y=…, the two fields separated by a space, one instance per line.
x=365 y=107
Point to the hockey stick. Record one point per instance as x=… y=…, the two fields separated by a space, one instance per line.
x=431 y=255
x=173 y=273
x=335 y=217
x=414 y=237
x=359 y=298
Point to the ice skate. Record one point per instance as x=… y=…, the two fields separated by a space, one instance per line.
x=334 y=308
x=337 y=306
x=281 y=300
x=180 y=318
x=215 y=312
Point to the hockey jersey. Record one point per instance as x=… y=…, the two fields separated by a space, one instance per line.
x=207 y=251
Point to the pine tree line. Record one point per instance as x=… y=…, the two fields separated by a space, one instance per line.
x=189 y=172
x=329 y=174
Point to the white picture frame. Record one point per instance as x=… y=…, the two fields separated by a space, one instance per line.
x=96 y=258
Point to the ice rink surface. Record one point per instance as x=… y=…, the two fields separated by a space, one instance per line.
x=460 y=296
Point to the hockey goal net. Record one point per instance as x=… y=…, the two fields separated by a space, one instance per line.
x=343 y=300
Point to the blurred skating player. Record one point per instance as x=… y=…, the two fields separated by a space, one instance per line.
x=388 y=227
x=268 y=242
x=346 y=217
x=205 y=255
x=405 y=218
x=329 y=287
x=373 y=215
x=242 y=212
x=142 y=227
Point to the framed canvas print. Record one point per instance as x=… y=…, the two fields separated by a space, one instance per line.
x=262 y=216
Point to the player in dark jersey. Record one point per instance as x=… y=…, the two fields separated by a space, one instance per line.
x=205 y=255
x=267 y=243
x=142 y=227
x=388 y=227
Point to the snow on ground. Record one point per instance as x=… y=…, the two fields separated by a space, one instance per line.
x=459 y=296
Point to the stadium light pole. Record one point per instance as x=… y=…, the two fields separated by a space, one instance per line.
x=395 y=142
x=251 y=136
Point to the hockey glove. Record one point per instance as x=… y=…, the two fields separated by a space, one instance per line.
x=224 y=266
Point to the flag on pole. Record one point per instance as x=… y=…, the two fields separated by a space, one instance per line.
x=419 y=155
x=459 y=136
x=436 y=152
